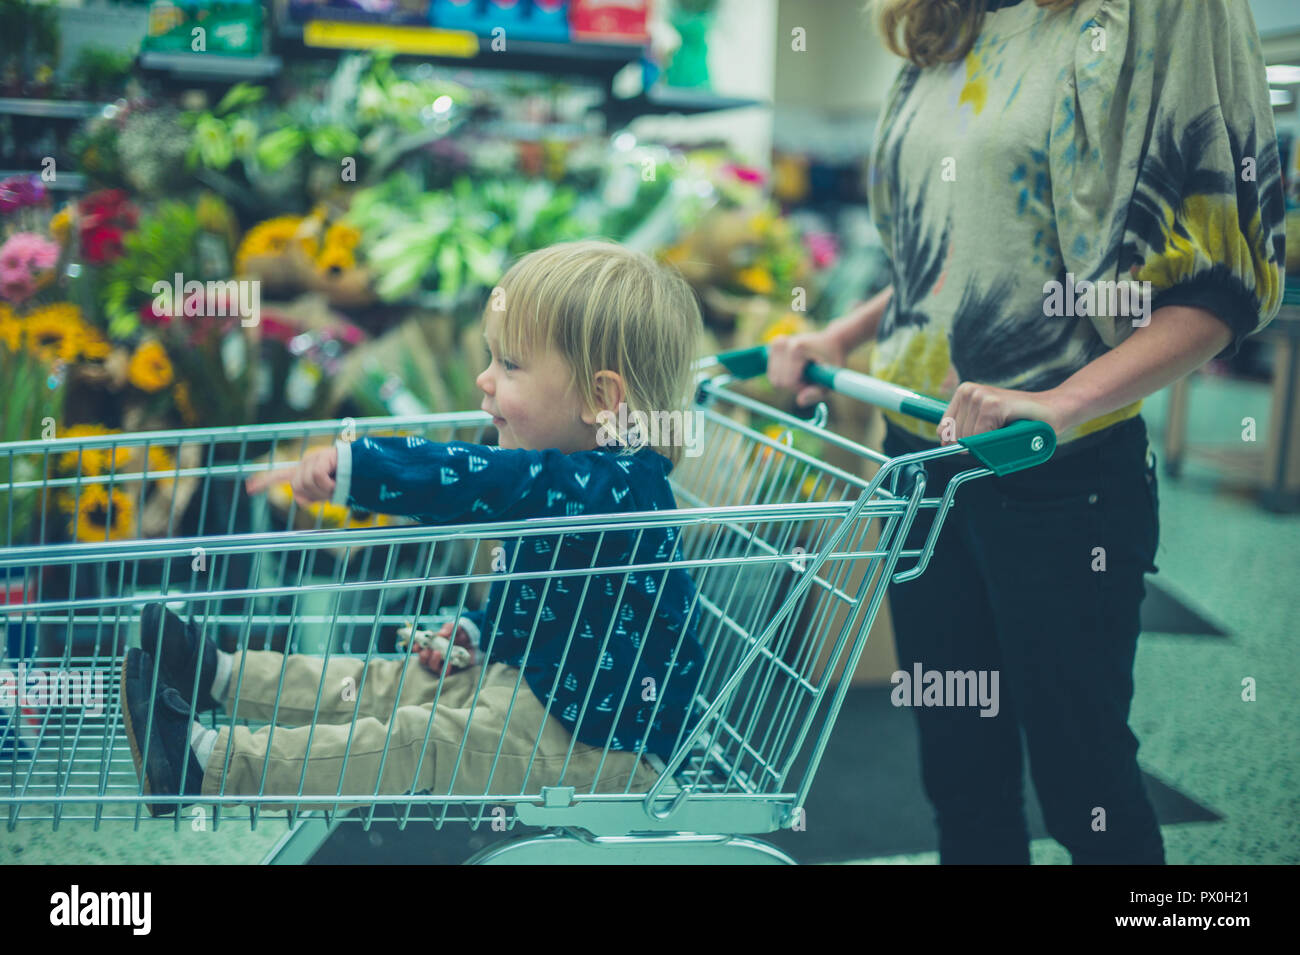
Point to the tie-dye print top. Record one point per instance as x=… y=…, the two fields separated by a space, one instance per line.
x=1116 y=141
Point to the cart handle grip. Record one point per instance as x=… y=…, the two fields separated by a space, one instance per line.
x=1014 y=447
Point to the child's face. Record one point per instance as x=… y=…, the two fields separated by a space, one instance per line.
x=532 y=399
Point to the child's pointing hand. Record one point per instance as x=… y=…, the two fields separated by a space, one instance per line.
x=312 y=478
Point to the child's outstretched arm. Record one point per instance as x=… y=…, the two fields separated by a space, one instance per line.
x=453 y=482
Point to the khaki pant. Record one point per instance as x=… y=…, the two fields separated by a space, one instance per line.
x=415 y=746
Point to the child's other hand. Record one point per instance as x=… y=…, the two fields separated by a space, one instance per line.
x=463 y=652
x=312 y=478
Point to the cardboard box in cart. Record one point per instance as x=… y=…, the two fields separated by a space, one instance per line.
x=864 y=424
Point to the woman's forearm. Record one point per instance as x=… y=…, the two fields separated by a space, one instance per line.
x=1177 y=340
x=860 y=325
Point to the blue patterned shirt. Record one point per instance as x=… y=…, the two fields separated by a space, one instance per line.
x=628 y=676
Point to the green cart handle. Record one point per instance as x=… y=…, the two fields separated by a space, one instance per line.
x=1019 y=445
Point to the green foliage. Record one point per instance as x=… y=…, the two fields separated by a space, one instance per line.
x=458 y=241
x=29 y=400
x=101 y=70
x=161 y=246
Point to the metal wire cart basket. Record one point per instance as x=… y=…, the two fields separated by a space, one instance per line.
x=790 y=557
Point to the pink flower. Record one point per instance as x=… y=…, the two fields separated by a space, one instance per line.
x=16 y=287
x=823 y=247
x=745 y=173
x=28 y=252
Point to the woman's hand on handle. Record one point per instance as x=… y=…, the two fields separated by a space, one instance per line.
x=787 y=356
x=977 y=408
x=312 y=478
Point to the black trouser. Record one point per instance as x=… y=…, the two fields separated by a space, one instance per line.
x=1016 y=586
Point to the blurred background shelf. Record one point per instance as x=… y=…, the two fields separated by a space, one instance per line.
x=210 y=66
x=49 y=108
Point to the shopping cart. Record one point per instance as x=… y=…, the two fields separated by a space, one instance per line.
x=790 y=556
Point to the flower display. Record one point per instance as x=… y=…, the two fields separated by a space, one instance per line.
x=98 y=514
x=273 y=237
x=150 y=369
x=92 y=461
x=54 y=332
x=57 y=332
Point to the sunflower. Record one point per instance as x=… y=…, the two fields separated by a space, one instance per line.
x=98 y=514
x=161 y=466
x=342 y=234
x=331 y=515
x=273 y=237
x=757 y=280
x=93 y=344
x=55 y=332
x=150 y=369
x=11 y=328
x=93 y=460
x=335 y=258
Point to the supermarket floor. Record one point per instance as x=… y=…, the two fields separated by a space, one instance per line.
x=1224 y=772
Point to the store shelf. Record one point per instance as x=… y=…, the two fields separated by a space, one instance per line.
x=463 y=48
x=49 y=108
x=210 y=66
x=66 y=181
x=665 y=101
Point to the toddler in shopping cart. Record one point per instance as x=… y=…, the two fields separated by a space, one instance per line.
x=571 y=680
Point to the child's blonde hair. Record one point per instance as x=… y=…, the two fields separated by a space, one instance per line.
x=606 y=307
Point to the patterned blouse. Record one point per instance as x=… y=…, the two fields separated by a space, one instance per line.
x=1077 y=171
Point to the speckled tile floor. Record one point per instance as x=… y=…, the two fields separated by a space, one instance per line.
x=1223 y=556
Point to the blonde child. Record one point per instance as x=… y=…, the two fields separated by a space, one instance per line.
x=573 y=679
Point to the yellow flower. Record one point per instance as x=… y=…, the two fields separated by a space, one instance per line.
x=161 y=466
x=150 y=370
x=93 y=460
x=335 y=257
x=757 y=280
x=61 y=225
x=332 y=515
x=342 y=234
x=762 y=222
x=272 y=237
x=93 y=344
x=55 y=332
x=777 y=434
x=788 y=324
x=11 y=328
x=98 y=514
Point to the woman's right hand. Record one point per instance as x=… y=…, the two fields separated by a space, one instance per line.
x=788 y=355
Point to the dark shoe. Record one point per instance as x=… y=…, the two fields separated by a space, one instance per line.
x=178 y=648
x=168 y=735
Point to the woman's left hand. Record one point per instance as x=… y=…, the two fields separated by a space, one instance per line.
x=977 y=408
